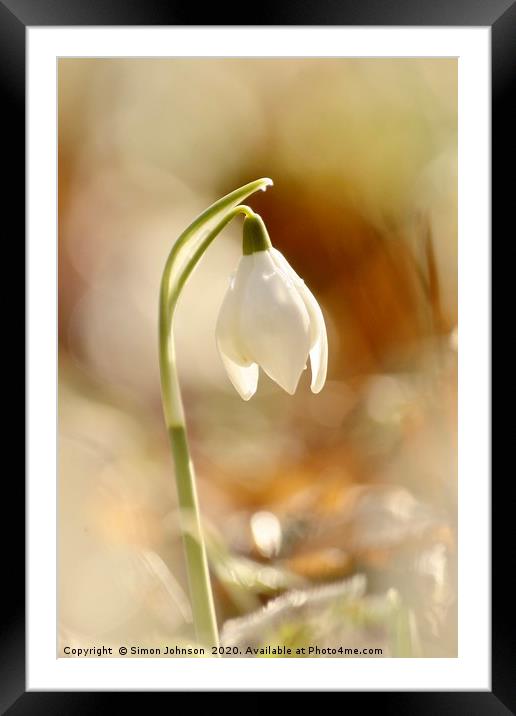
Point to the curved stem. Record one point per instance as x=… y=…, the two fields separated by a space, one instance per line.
x=195 y=256
x=184 y=256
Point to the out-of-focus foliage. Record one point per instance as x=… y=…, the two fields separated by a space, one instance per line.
x=328 y=621
x=331 y=518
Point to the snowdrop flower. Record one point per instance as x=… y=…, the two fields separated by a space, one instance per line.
x=269 y=318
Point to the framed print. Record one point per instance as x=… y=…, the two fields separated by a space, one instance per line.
x=258 y=363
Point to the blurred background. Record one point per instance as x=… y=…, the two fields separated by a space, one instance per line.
x=330 y=518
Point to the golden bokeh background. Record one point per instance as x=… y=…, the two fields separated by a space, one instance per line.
x=330 y=518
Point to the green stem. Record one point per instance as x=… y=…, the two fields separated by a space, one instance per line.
x=184 y=256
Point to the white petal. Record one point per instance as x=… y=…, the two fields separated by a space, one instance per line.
x=244 y=378
x=319 y=361
x=318 y=335
x=319 y=340
x=274 y=323
x=242 y=372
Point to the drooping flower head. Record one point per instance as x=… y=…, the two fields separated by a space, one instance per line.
x=269 y=319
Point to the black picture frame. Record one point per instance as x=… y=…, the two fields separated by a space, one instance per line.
x=15 y=17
